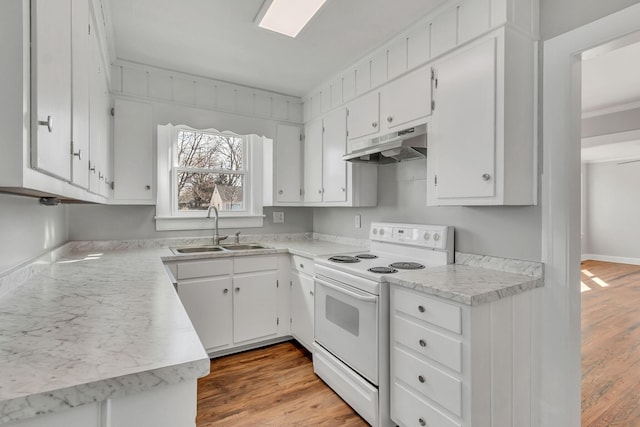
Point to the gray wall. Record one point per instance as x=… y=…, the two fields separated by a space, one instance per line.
x=621 y=121
x=613 y=209
x=96 y=222
x=560 y=16
x=511 y=232
x=27 y=229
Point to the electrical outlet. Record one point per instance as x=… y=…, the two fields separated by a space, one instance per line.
x=278 y=217
x=358 y=221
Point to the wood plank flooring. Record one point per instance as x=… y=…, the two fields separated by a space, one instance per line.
x=271 y=386
x=610 y=344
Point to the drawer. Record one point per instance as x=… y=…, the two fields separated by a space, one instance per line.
x=205 y=268
x=302 y=264
x=430 y=310
x=408 y=410
x=247 y=264
x=427 y=342
x=428 y=380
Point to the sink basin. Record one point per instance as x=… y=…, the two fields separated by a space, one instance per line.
x=244 y=246
x=196 y=249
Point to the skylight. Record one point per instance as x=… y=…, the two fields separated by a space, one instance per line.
x=288 y=17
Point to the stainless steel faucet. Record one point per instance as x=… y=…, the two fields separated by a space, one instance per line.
x=216 y=236
x=238 y=237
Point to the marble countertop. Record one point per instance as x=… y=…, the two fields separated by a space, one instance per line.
x=466 y=284
x=91 y=326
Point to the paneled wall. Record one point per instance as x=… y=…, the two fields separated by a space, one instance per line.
x=185 y=89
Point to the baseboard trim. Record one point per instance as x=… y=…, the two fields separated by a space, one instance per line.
x=608 y=258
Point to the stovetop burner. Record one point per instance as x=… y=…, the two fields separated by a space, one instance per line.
x=367 y=256
x=345 y=259
x=383 y=270
x=407 y=265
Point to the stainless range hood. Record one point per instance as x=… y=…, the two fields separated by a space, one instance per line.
x=408 y=144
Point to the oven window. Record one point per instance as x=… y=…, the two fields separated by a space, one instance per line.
x=344 y=315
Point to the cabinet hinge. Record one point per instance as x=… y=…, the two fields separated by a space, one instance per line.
x=347 y=133
x=433 y=105
x=113 y=112
x=290 y=320
x=277 y=320
x=89 y=28
x=322 y=129
x=347 y=112
x=277 y=283
x=435 y=180
x=290 y=283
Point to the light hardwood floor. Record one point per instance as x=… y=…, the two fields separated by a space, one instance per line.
x=610 y=344
x=271 y=386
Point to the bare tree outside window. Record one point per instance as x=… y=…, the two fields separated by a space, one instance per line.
x=210 y=171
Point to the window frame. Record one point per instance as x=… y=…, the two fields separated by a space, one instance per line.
x=169 y=217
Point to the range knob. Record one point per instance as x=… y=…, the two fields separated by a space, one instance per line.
x=382 y=231
x=375 y=231
x=436 y=237
x=426 y=236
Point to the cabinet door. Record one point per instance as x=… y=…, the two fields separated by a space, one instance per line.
x=96 y=116
x=334 y=169
x=51 y=86
x=255 y=306
x=464 y=130
x=133 y=151
x=313 y=161
x=302 y=298
x=407 y=99
x=80 y=105
x=208 y=304
x=288 y=160
x=363 y=116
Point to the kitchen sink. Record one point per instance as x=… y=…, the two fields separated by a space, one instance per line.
x=244 y=246
x=196 y=249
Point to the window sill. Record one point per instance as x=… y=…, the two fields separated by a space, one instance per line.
x=168 y=223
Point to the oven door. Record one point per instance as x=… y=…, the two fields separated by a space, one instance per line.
x=346 y=324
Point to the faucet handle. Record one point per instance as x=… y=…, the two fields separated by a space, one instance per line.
x=238 y=237
x=222 y=237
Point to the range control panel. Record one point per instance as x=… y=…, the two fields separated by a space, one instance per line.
x=427 y=236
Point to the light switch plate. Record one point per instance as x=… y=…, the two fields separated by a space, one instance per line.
x=358 y=221
x=278 y=217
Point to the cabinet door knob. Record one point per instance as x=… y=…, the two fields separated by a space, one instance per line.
x=422 y=343
x=486 y=177
x=225 y=291
x=311 y=293
x=48 y=123
x=147 y=187
x=421 y=308
x=389 y=119
x=301 y=265
x=78 y=154
x=237 y=290
x=421 y=378
x=320 y=191
x=422 y=422
x=374 y=124
x=343 y=189
x=280 y=191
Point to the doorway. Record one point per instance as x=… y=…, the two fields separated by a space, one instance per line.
x=560 y=305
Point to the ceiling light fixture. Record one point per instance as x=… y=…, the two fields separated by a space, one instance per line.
x=287 y=17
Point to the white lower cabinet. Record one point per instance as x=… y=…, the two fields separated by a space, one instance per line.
x=455 y=365
x=235 y=303
x=302 y=300
x=165 y=406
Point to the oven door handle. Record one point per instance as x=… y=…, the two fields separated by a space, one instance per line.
x=356 y=295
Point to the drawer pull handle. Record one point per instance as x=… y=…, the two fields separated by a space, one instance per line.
x=421 y=378
x=301 y=265
x=423 y=343
x=421 y=309
x=226 y=291
x=422 y=422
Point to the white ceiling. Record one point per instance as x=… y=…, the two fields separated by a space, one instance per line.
x=611 y=79
x=218 y=38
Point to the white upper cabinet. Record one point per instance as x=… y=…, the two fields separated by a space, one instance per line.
x=481 y=148
x=313 y=161
x=51 y=67
x=282 y=163
x=334 y=169
x=363 y=116
x=80 y=102
x=406 y=101
x=133 y=153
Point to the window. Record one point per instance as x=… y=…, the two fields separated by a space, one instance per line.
x=202 y=168
x=209 y=170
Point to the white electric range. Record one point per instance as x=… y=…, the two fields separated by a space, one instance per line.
x=351 y=348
